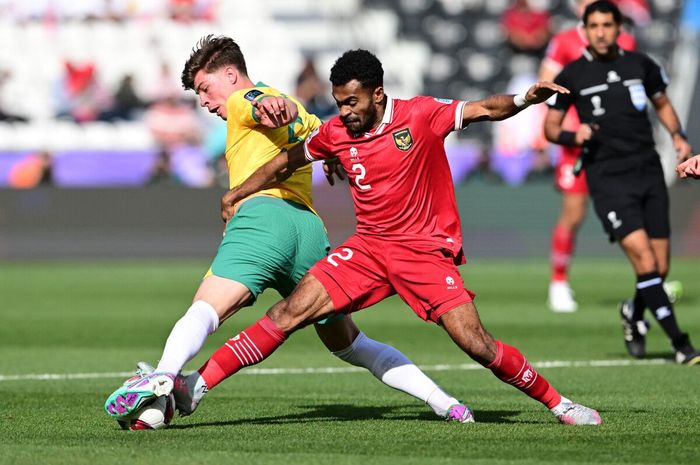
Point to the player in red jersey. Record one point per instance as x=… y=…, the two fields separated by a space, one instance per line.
x=565 y=47
x=408 y=239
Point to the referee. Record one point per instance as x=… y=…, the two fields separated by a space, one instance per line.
x=610 y=89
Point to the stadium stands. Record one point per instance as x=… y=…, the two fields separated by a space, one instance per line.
x=446 y=48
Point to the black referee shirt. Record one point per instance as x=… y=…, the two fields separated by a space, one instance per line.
x=613 y=94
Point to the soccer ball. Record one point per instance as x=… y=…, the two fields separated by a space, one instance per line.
x=154 y=415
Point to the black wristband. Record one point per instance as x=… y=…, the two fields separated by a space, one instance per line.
x=681 y=133
x=567 y=138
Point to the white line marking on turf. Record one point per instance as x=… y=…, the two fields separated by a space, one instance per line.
x=304 y=371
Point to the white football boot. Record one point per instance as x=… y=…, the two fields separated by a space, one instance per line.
x=561 y=297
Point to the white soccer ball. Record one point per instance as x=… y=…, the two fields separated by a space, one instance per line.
x=154 y=415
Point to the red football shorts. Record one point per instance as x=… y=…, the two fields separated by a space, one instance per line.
x=564 y=178
x=366 y=270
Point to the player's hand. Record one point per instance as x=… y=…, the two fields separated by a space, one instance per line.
x=542 y=90
x=689 y=168
x=331 y=168
x=229 y=204
x=275 y=112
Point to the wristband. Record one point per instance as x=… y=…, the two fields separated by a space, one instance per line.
x=567 y=138
x=681 y=133
x=520 y=101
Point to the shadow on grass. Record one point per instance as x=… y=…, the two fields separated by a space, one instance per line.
x=347 y=412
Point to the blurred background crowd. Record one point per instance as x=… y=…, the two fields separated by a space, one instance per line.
x=90 y=91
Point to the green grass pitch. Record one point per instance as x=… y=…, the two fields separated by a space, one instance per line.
x=100 y=318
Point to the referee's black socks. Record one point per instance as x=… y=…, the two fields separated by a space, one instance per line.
x=650 y=287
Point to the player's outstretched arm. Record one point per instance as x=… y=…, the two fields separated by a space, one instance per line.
x=270 y=174
x=689 y=168
x=499 y=107
x=669 y=118
x=275 y=112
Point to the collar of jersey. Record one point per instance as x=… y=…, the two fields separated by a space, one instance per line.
x=386 y=120
x=589 y=55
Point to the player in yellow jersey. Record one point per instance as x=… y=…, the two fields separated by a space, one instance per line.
x=272 y=240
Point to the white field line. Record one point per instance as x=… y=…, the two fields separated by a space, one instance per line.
x=305 y=371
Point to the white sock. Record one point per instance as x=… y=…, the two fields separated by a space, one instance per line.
x=395 y=370
x=187 y=337
x=559 y=407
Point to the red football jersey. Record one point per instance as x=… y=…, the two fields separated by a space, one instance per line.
x=567 y=46
x=399 y=176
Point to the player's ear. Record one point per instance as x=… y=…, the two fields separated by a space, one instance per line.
x=378 y=94
x=231 y=74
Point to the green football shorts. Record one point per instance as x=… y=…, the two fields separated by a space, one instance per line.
x=270 y=242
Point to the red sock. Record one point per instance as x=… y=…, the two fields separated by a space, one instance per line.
x=510 y=366
x=561 y=250
x=251 y=346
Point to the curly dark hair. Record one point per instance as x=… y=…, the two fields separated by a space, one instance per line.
x=210 y=54
x=358 y=64
x=603 y=6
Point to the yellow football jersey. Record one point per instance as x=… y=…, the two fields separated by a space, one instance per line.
x=250 y=145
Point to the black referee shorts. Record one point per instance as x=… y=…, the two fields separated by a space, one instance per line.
x=627 y=198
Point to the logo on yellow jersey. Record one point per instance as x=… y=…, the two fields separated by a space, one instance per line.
x=252 y=94
x=403 y=139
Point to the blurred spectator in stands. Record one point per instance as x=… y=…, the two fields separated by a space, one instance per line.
x=527 y=29
x=79 y=94
x=518 y=148
x=164 y=86
x=312 y=92
x=174 y=122
x=32 y=171
x=127 y=104
x=4 y=115
x=190 y=10
x=636 y=12
x=162 y=173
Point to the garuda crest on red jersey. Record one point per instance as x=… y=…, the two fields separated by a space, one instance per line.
x=403 y=139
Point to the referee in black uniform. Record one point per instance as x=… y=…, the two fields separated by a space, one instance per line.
x=610 y=89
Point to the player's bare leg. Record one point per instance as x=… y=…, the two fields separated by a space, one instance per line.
x=345 y=340
x=510 y=366
x=647 y=257
x=571 y=216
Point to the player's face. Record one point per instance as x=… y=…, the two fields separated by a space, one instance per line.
x=602 y=31
x=358 y=106
x=214 y=89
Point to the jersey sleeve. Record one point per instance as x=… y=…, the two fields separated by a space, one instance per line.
x=655 y=78
x=443 y=115
x=317 y=146
x=555 y=55
x=562 y=102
